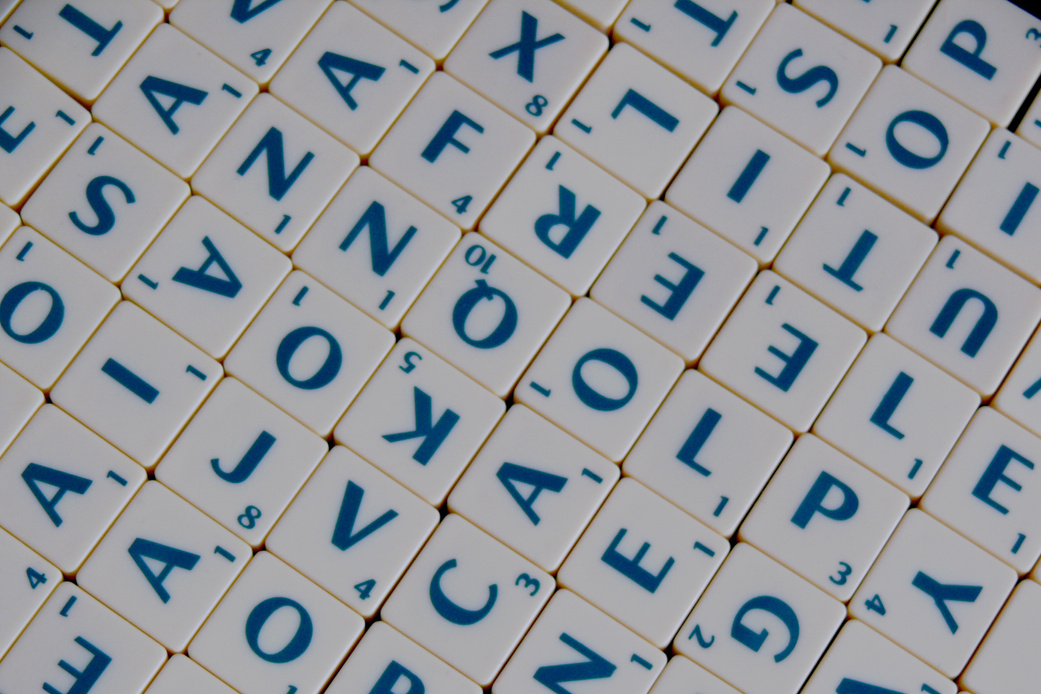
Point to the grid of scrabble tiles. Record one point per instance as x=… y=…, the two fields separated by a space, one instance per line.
x=619 y=346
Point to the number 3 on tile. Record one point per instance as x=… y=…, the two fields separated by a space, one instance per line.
x=526 y=581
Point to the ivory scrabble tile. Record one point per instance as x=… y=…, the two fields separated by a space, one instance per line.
x=1006 y=662
x=885 y=29
x=21 y=400
x=600 y=13
x=181 y=674
x=9 y=221
x=681 y=673
x=1017 y=396
x=27 y=580
x=434 y=27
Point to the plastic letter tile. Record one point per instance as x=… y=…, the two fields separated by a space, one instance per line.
x=897 y=414
x=681 y=674
x=702 y=41
x=434 y=27
x=353 y=531
x=687 y=280
x=708 y=451
x=748 y=183
x=759 y=626
x=26 y=579
x=644 y=562
x=21 y=399
x=801 y=77
x=987 y=492
x=1018 y=395
x=967 y=314
x=255 y=37
x=831 y=544
x=206 y=276
x=856 y=252
x=486 y=313
x=995 y=200
x=452 y=149
x=309 y=352
x=275 y=631
x=40 y=335
x=636 y=119
x=860 y=658
x=563 y=215
x=783 y=350
x=241 y=460
x=115 y=383
x=174 y=99
x=61 y=487
x=352 y=76
x=9 y=221
x=80 y=46
x=196 y=560
x=385 y=658
x=600 y=379
x=569 y=631
x=468 y=599
x=376 y=246
x=885 y=28
x=104 y=202
x=420 y=420
x=533 y=487
x=182 y=674
x=529 y=57
x=909 y=142
x=600 y=13
x=1007 y=661
x=7 y=7
x=933 y=592
x=73 y=643
x=38 y=122
x=991 y=77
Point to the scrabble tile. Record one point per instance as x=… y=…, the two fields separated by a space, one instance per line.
x=198 y=560
x=80 y=48
x=995 y=199
x=615 y=659
x=175 y=100
x=21 y=400
x=309 y=352
x=206 y=276
x=533 y=487
x=76 y=637
x=452 y=148
x=114 y=384
x=708 y=451
x=27 y=580
x=432 y=26
x=7 y=7
x=992 y=78
x=37 y=125
x=376 y=246
x=9 y=221
x=611 y=568
x=353 y=531
x=1007 y=661
x=1016 y=398
x=563 y=215
x=682 y=673
x=778 y=322
x=886 y=29
x=702 y=41
x=933 y=592
x=909 y=142
x=636 y=119
x=352 y=76
x=50 y=305
x=801 y=77
x=309 y=635
x=105 y=202
x=385 y=660
x=1030 y=124
x=600 y=13
x=303 y=168
x=690 y=279
x=61 y=487
x=730 y=634
x=861 y=660
x=486 y=313
x=856 y=252
x=419 y=420
x=235 y=33
x=981 y=493
x=897 y=414
x=528 y=56
x=451 y=602
x=181 y=674
x=241 y=460
x=956 y=276
x=748 y=183
x=599 y=379
x=824 y=516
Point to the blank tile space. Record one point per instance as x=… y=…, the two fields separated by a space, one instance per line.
x=1006 y=662
x=433 y=27
x=886 y=29
x=181 y=674
x=21 y=400
x=26 y=580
